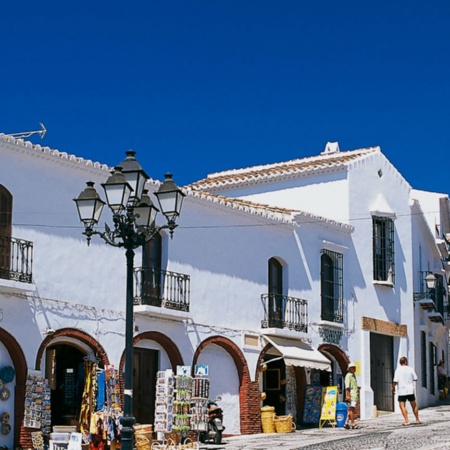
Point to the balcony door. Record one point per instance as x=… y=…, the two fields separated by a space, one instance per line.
x=6 y=201
x=275 y=293
x=151 y=274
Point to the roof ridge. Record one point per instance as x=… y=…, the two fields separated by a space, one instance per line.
x=53 y=152
x=324 y=161
x=320 y=157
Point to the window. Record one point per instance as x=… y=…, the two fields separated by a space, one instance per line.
x=332 y=289
x=275 y=293
x=5 y=232
x=423 y=350
x=151 y=273
x=5 y=212
x=383 y=249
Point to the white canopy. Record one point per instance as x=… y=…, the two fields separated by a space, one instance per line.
x=300 y=354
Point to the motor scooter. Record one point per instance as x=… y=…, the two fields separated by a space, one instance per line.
x=215 y=423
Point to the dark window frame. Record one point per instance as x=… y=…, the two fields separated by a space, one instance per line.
x=383 y=248
x=332 y=286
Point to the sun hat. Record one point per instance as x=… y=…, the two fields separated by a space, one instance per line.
x=351 y=365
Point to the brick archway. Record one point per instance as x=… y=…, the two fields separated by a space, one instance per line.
x=338 y=354
x=76 y=334
x=249 y=394
x=169 y=346
x=20 y=368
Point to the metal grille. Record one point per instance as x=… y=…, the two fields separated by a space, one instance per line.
x=16 y=259
x=383 y=249
x=154 y=287
x=332 y=286
x=281 y=311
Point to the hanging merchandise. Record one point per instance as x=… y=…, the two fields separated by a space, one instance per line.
x=89 y=397
x=181 y=403
x=7 y=374
x=4 y=394
x=37 y=403
x=199 y=404
x=164 y=402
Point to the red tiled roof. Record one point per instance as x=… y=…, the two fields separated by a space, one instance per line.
x=323 y=162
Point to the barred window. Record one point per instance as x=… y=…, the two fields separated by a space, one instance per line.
x=332 y=286
x=383 y=249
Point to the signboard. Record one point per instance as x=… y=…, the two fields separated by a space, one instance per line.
x=330 y=396
x=313 y=404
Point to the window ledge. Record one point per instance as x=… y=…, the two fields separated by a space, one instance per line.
x=384 y=283
x=328 y=324
x=16 y=286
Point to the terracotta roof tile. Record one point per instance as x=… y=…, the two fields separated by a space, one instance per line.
x=250 y=175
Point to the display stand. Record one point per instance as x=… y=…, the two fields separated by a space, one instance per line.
x=164 y=403
x=199 y=405
x=328 y=414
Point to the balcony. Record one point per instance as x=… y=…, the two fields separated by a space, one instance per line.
x=281 y=311
x=16 y=259
x=161 y=288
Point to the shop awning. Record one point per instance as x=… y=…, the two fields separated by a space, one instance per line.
x=300 y=354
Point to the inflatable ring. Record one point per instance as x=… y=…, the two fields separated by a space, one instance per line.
x=4 y=418
x=6 y=428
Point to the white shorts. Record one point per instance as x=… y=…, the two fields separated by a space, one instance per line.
x=352 y=404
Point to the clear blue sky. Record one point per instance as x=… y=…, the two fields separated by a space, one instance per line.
x=207 y=85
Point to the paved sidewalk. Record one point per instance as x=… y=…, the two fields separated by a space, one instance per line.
x=372 y=434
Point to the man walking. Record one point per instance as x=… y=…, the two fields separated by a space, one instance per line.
x=404 y=378
x=351 y=396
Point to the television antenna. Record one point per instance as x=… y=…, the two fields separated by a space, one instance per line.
x=26 y=134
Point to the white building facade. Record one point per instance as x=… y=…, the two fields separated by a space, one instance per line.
x=277 y=277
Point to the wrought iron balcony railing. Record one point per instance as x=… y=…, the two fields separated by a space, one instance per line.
x=162 y=288
x=16 y=259
x=281 y=311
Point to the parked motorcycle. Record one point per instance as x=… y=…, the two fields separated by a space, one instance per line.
x=215 y=424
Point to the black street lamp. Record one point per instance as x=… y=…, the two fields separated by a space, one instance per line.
x=134 y=216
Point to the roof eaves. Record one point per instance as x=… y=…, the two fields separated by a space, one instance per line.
x=53 y=152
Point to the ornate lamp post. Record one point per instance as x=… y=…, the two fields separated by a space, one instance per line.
x=133 y=215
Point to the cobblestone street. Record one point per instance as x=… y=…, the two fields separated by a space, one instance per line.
x=384 y=432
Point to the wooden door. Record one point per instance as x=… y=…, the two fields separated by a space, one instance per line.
x=145 y=366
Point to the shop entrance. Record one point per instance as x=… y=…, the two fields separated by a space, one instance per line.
x=274 y=385
x=65 y=373
x=145 y=367
x=382 y=370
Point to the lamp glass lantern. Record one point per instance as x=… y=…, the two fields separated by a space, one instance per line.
x=134 y=175
x=117 y=190
x=89 y=205
x=170 y=198
x=146 y=212
x=430 y=280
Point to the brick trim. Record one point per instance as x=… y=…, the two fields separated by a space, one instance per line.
x=384 y=327
x=20 y=367
x=249 y=393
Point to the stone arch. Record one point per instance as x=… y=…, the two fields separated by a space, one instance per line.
x=249 y=395
x=20 y=367
x=169 y=346
x=337 y=353
x=77 y=335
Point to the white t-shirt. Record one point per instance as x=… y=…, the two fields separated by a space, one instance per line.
x=405 y=377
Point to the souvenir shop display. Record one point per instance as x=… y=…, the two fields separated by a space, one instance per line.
x=37 y=403
x=164 y=403
x=105 y=412
x=181 y=403
x=199 y=404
